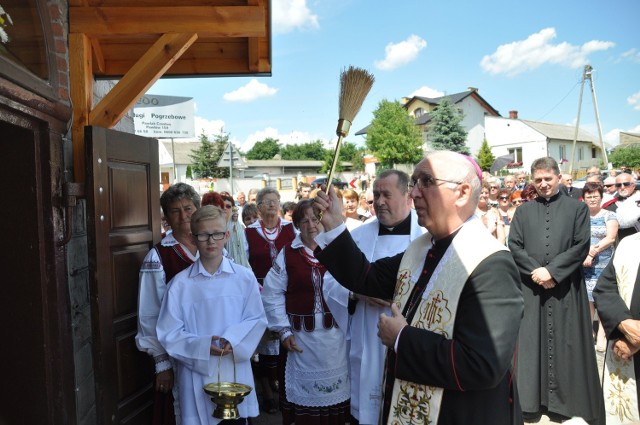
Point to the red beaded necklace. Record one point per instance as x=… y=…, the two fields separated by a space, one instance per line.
x=311 y=260
x=270 y=234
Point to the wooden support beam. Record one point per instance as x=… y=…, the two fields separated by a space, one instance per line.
x=151 y=66
x=98 y=56
x=81 y=75
x=218 y=21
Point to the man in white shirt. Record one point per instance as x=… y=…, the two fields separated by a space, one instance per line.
x=395 y=225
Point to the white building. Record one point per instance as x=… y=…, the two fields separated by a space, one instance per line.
x=529 y=140
x=473 y=106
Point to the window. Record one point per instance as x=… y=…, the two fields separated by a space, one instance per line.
x=580 y=153
x=517 y=154
x=562 y=152
x=418 y=112
x=26 y=46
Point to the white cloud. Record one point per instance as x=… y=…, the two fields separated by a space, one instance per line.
x=289 y=15
x=250 y=92
x=525 y=55
x=632 y=55
x=634 y=101
x=612 y=137
x=402 y=53
x=425 y=91
x=292 y=138
x=210 y=127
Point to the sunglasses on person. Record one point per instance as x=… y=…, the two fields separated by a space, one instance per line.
x=503 y=198
x=370 y=202
x=609 y=185
x=517 y=201
x=625 y=184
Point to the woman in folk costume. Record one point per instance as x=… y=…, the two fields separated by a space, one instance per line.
x=316 y=379
x=265 y=238
x=617 y=295
x=174 y=253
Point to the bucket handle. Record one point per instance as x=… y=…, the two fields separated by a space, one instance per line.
x=233 y=358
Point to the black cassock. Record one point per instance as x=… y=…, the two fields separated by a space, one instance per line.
x=479 y=355
x=612 y=309
x=556 y=366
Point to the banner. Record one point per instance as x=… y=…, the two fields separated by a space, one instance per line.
x=167 y=117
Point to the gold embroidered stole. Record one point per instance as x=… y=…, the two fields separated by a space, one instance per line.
x=619 y=381
x=413 y=403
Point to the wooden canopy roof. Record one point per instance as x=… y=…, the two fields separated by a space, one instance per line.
x=140 y=41
x=233 y=36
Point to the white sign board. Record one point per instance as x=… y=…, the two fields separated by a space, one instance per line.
x=164 y=117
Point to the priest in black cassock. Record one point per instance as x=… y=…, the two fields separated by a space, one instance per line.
x=549 y=238
x=456 y=306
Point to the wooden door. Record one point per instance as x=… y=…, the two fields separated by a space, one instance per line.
x=123 y=222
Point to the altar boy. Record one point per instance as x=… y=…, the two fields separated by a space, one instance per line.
x=212 y=309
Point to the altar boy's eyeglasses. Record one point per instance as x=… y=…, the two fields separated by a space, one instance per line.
x=204 y=237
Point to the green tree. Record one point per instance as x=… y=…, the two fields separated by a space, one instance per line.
x=265 y=149
x=485 y=156
x=189 y=172
x=445 y=131
x=626 y=155
x=205 y=158
x=349 y=152
x=392 y=136
x=306 y=151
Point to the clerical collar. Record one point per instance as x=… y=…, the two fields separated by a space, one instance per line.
x=441 y=245
x=402 y=228
x=555 y=195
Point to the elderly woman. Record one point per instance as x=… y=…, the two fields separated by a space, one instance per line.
x=504 y=205
x=264 y=239
x=604 y=229
x=489 y=215
x=316 y=382
x=174 y=253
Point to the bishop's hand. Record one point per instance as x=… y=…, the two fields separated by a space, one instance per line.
x=390 y=326
x=329 y=208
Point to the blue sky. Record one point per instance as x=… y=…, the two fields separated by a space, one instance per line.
x=521 y=55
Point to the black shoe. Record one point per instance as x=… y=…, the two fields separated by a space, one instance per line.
x=531 y=416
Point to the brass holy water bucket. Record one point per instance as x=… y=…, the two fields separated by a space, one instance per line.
x=227 y=395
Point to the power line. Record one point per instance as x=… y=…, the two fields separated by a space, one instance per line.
x=561 y=100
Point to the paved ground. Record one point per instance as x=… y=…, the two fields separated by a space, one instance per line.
x=267 y=418
x=276 y=418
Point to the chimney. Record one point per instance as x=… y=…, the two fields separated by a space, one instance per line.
x=513 y=115
x=472 y=89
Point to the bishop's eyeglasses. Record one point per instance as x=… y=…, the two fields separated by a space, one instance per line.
x=427 y=180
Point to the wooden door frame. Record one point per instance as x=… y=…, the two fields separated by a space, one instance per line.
x=47 y=120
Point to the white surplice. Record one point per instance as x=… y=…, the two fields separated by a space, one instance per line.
x=197 y=306
x=366 y=354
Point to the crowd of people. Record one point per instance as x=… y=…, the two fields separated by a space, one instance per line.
x=449 y=296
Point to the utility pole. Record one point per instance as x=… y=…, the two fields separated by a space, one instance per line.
x=587 y=75
x=230 y=168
